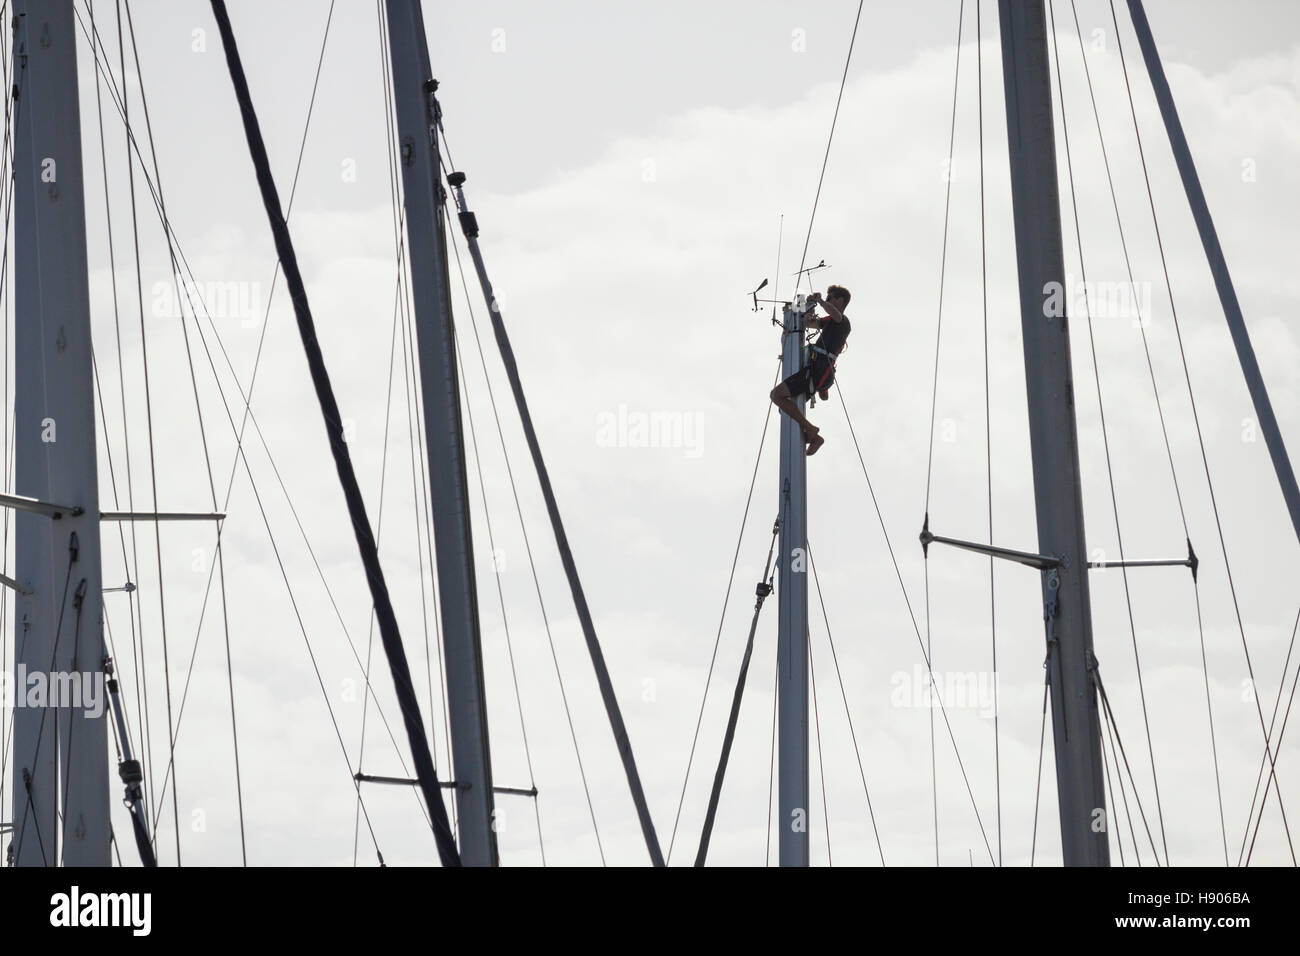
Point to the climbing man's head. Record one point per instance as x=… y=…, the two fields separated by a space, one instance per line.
x=838 y=292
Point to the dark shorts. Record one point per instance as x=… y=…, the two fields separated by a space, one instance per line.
x=802 y=385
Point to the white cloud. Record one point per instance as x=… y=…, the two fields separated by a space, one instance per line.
x=625 y=293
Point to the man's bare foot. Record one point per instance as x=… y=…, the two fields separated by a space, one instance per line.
x=814 y=443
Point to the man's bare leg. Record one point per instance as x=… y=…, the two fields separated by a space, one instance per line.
x=781 y=398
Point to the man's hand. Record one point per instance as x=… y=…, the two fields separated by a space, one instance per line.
x=835 y=314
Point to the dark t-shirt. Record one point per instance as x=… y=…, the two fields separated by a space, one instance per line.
x=834 y=334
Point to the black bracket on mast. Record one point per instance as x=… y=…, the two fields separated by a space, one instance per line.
x=1052 y=663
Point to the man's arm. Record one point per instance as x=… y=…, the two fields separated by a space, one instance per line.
x=835 y=314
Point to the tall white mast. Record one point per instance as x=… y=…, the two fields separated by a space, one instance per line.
x=1053 y=435
x=792 y=632
x=60 y=754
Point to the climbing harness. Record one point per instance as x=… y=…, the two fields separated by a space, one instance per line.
x=815 y=386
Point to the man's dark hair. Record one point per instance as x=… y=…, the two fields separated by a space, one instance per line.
x=838 y=292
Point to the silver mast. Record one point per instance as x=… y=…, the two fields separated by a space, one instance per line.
x=792 y=633
x=1053 y=436
x=57 y=611
x=415 y=107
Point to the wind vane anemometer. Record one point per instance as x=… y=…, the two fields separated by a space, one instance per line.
x=775 y=302
x=820 y=265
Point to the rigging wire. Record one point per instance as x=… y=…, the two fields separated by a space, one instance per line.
x=771 y=772
x=153 y=465
x=131 y=571
x=1223 y=547
x=1112 y=734
x=803 y=258
x=1164 y=431
x=735 y=558
x=726 y=598
x=383 y=464
x=564 y=697
x=1105 y=436
x=528 y=550
x=410 y=375
x=1259 y=776
x=1105 y=766
x=141 y=670
x=131 y=567
x=988 y=427
x=420 y=477
x=501 y=600
x=943 y=711
x=821 y=762
x=20 y=829
x=333 y=421
x=1042 y=738
x=934 y=398
x=239 y=452
x=763 y=589
x=1268 y=733
x=776 y=281
x=207 y=457
x=871 y=813
x=239 y=455
x=379 y=528
x=422 y=526
x=608 y=697
x=1119 y=741
x=248 y=398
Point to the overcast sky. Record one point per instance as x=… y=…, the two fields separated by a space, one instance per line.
x=630 y=168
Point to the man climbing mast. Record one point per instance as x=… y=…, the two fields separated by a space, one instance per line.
x=818 y=373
